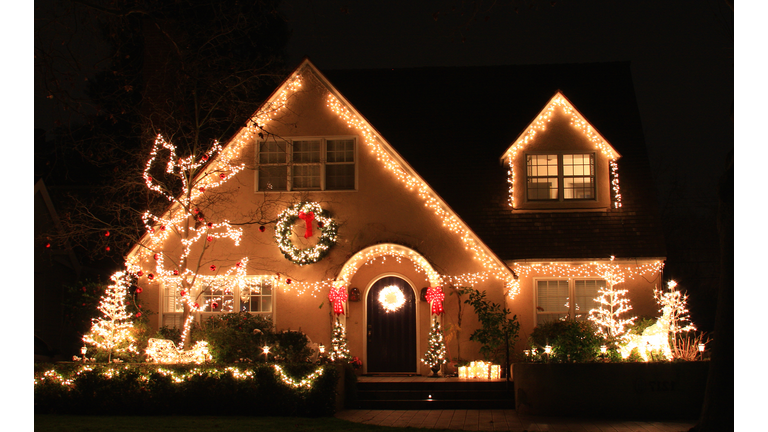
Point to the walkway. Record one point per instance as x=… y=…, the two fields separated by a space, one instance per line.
x=502 y=420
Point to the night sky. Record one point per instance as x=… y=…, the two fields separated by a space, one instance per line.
x=682 y=56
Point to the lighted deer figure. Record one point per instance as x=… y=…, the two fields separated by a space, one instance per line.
x=654 y=338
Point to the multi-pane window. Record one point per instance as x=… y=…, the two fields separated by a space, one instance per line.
x=557 y=177
x=553 y=298
x=306 y=164
x=255 y=296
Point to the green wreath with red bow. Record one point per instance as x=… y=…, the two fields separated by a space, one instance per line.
x=312 y=215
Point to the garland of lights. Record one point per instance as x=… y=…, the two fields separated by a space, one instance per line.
x=284 y=229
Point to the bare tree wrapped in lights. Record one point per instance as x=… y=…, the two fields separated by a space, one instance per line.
x=113 y=332
x=609 y=316
x=435 y=355
x=177 y=242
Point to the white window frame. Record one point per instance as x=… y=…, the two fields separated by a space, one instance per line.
x=323 y=163
x=173 y=318
x=571 y=313
x=561 y=177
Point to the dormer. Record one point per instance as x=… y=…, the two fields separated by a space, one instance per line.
x=561 y=162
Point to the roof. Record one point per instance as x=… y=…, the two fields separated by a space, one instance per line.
x=453 y=125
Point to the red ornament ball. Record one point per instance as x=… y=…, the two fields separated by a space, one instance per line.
x=202 y=189
x=213 y=267
x=157 y=257
x=320 y=225
x=150 y=276
x=140 y=273
x=107 y=248
x=262 y=228
x=205 y=157
x=200 y=218
x=197 y=211
x=106 y=234
x=210 y=238
x=222 y=176
x=197 y=305
x=149 y=178
x=138 y=314
x=151 y=230
x=182 y=293
x=214 y=305
x=47 y=245
x=162 y=227
x=239 y=264
x=288 y=281
x=210 y=224
x=139 y=290
x=175 y=272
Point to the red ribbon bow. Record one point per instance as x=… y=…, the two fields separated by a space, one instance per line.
x=307 y=218
x=338 y=296
x=435 y=296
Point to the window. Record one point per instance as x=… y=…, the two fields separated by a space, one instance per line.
x=553 y=298
x=255 y=296
x=306 y=164
x=558 y=177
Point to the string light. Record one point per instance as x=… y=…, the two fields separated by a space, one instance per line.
x=591 y=269
x=165 y=352
x=576 y=120
x=112 y=333
x=436 y=352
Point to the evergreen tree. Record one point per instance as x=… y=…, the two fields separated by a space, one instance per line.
x=435 y=355
x=339 y=343
x=112 y=333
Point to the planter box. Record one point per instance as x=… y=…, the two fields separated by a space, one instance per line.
x=627 y=390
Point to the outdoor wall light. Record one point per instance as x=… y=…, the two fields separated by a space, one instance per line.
x=547 y=349
x=603 y=349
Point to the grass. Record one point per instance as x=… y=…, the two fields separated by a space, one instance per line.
x=66 y=423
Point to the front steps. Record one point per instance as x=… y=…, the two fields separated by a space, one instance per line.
x=434 y=393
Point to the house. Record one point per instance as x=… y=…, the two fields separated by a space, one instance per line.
x=530 y=183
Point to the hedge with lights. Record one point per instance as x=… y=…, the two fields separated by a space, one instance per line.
x=141 y=389
x=309 y=212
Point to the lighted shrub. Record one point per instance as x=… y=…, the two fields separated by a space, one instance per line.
x=571 y=341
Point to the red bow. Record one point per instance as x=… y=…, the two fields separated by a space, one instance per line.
x=307 y=218
x=338 y=296
x=436 y=296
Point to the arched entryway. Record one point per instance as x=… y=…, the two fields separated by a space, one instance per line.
x=391 y=335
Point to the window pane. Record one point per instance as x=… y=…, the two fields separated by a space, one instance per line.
x=578 y=181
x=340 y=177
x=257 y=298
x=542 y=188
x=306 y=151
x=341 y=150
x=272 y=152
x=552 y=296
x=306 y=177
x=218 y=300
x=585 y=295
x=273 y=178
x=545 y=318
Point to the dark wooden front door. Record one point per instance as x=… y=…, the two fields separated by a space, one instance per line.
x=391 y=335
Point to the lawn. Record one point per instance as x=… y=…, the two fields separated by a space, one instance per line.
x=65 y=423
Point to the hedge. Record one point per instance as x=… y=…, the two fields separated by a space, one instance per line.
x=145 y=389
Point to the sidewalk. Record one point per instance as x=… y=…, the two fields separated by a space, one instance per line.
x=503 y=420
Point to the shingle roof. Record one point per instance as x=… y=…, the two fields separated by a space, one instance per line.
x=453 y=124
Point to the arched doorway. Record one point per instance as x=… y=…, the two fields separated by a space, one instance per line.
x=391 y=344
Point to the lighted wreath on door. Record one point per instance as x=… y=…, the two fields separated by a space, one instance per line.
x=312 y=215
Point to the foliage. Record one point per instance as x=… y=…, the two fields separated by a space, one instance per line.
x=571 y=341
x=235 y=337
x=150 y=390
x=194 y=70
x=686 y=346
x=170 y=333
x=497 y=333
x=640 y=325
x=80 y=304
x=292 y=347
